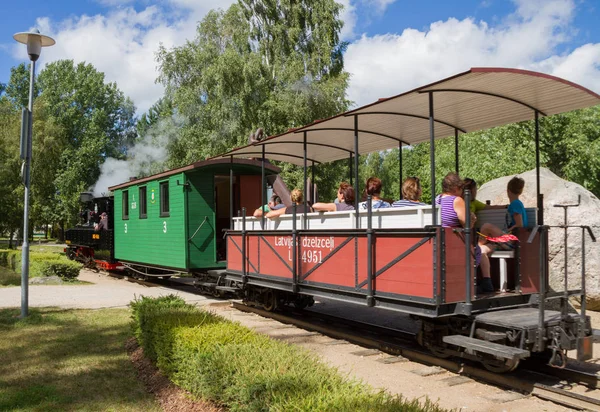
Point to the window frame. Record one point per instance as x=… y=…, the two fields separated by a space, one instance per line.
x=163 y=196
x=125 y=204
x=143 y=198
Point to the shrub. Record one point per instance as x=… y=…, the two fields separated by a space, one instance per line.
x=65 y=270
x=41 y=264
x=216 y=359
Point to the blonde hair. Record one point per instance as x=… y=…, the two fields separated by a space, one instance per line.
x=411 y=188
x=297 y=196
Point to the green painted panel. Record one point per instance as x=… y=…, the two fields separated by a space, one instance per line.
x=201 y=220
x=155 y=240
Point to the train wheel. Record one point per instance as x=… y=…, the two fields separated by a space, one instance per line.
x=501 y=366
x=270 y=300
x=440 y=352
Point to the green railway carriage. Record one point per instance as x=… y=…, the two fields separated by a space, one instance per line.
x=174 y=220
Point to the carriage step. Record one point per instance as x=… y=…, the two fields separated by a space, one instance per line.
x=227 y=289
x=472 y=345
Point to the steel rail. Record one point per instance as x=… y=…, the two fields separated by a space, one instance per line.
x=401 y=343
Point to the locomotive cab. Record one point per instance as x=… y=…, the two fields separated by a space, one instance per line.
x=85 y=242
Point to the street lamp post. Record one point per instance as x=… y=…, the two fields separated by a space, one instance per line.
x=34 y=41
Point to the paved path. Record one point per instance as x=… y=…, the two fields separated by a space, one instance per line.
x=105 y=292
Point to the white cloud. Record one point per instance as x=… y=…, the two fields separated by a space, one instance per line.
x=122 y=43
x=388 y=64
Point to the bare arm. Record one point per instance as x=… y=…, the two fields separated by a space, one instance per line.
x=460 y=208
x=258 y=212
x=518 y=221
x=276 y=213
x=324 y=207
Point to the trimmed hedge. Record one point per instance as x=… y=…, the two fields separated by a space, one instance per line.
x=41 y=264
x=216 y=359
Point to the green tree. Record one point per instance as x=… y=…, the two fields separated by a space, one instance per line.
x=162 y=109
x=85 y=120
x=270 y=64
x=11 y=190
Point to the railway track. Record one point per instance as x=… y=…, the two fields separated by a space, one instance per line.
x=533 y=378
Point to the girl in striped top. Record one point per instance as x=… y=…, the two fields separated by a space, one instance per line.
x=454 y=212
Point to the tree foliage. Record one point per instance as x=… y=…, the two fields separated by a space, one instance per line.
x=270 y=64
x=78 y=120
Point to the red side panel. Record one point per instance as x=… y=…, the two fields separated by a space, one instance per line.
x=336 y=269
x=456 y=267
x=413 y=275
x=530 y=263
x=234 y=256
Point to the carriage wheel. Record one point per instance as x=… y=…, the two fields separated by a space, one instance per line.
x=440 y=352
x=270 y=300
x=501 y=366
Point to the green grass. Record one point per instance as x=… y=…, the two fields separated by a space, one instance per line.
x=9 y=277
x=68 y=360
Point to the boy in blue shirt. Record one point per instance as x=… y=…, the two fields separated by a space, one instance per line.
x=516 y=215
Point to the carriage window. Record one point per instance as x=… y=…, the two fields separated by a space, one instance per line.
x=125 y=204
x=143 y=204
x=164 y=199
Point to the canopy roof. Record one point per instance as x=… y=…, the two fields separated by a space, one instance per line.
x=477 y=99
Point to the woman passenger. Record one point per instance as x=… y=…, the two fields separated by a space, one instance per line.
x=411 y=193
x=453 y=210
x=345 y=197
x=297 y=199
x=373 y=188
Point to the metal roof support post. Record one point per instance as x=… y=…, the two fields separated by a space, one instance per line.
x=350 y=167
x=469 y=278
x=370 y=298
x=400 y=167
x=540 y=199
x=356 y=170
x=432 y=158
x=305 y=183
x=313 y=195
x=456 y=149
x=231 y=192
x=263 y=191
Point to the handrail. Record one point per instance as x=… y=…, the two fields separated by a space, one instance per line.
x=199 y=227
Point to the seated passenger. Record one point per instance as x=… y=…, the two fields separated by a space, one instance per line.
x=476 y=205
x=453 y=211
x=274 y=204
x=345 y=197
x=297 y=198
x=411 y=193
x=373 y=188
x=516 y=216
x=487 y=229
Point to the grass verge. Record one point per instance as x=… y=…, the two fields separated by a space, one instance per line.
x=68 y=360
x=216 y=359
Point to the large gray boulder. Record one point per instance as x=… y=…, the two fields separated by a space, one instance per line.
x=559 y=191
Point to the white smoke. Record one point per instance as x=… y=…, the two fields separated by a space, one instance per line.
x=146 y=157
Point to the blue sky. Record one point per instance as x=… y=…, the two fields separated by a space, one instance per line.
x=394 y=45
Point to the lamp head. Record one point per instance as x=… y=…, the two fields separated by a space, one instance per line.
x=34 y=41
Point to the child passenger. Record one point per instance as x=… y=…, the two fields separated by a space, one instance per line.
x=516 y=215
